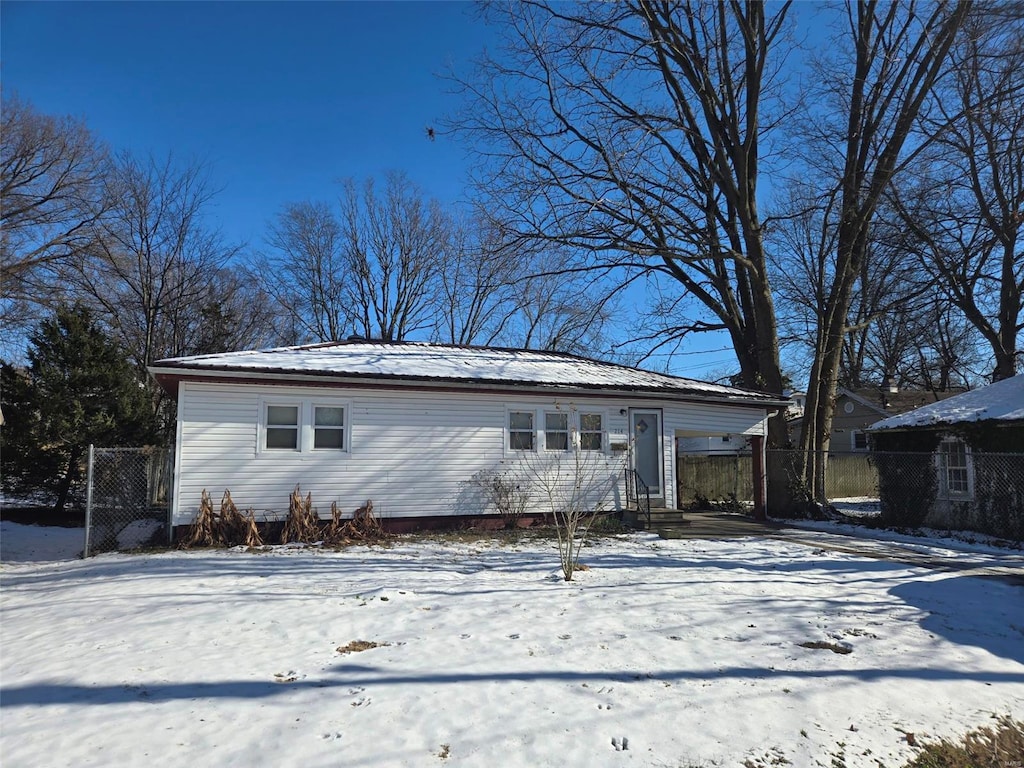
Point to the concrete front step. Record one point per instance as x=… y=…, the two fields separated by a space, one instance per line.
x=660 y=518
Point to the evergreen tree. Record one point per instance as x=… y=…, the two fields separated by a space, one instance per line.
x=79 y=389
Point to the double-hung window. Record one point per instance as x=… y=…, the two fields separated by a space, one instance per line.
x=304 y=425
x=520 y=431
x=955 y=468
x=591 y=432
x=282 y=427
x=556 y=431
x=329 y=427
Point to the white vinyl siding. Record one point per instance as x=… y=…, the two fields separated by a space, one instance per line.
x=411 y=452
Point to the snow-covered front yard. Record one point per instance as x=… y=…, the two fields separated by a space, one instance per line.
x=664 y=653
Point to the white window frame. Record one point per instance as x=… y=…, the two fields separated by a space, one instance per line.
x=943 y=468
x=551 y=432
x=540 y=432
x=853 y=440
x=265 y=406
x=344 y=428
x=507 y=431
x=602 y=432
x=306 y=427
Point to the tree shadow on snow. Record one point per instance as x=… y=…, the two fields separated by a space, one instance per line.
x=955 y=612
x=348 y=675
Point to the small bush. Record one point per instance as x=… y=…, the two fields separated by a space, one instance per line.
x=998 y=746
x=508 y=493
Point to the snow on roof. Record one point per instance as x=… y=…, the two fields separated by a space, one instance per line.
x=1002 y=401
x=434 y=362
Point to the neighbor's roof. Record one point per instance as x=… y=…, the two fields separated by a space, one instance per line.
x=446 y=364
x=1002 y=401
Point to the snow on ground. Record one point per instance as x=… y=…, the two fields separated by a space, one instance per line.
x=664 y=653
x=922 y=540
x=39 y=543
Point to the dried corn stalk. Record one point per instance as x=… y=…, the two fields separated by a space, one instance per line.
x=302 y=524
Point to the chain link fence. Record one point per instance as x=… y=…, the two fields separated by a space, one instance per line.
x=128 y=493
x=954 y=489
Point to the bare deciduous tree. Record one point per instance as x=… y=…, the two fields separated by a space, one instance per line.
x=965 y=207
x=873 y=95
x=305 y=273
x=52 y=173
x=393 y=245
x=155 y=260
x=632 y=132
x=372 y=268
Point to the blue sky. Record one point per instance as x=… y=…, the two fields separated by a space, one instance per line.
x=279 y=99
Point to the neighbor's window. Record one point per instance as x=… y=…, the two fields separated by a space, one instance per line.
x=520 y=430
x=283 y=427
x=556 y=431
x=955 y=467
x=329 y=427
x=590 y=431
x=860 y=440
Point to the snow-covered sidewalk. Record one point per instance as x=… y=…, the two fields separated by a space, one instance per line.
x=663 y=653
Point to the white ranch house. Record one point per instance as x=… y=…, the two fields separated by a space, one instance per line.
x=408 y=424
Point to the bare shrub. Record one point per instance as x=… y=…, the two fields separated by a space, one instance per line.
x=575 y=484
x=507 y=492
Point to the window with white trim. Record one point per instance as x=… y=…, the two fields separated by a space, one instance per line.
x=591 y=432
x=282 y=427
x=329 y=427
x=556 y=431
x=955 y=469
x=303 y=425
x=859 y=440
x=521 y=433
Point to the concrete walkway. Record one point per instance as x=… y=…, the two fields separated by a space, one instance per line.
x=936 y=556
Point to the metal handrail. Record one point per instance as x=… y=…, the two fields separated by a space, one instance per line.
x=635 y=486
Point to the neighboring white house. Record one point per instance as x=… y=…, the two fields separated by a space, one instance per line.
x=408 y=424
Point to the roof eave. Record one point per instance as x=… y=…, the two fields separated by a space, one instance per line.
x=169 y=377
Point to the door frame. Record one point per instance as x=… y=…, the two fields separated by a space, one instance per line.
x=659 y=412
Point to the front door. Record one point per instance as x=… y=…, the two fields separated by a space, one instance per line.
x=647 y=454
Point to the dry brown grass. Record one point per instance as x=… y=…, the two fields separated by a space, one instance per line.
x=360 y=645
x=997 y=746
x=819 y=645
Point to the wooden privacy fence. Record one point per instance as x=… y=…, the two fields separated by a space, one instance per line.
x=721 y=476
